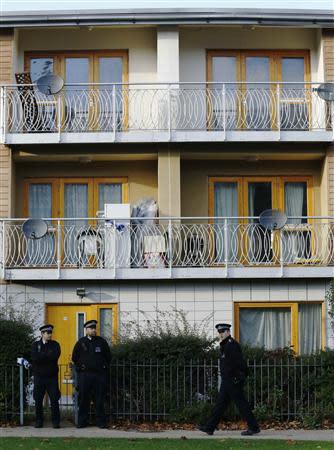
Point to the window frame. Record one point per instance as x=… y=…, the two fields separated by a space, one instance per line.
x=93 y=55
x=275 y=57
x=58 y=185
x=278 y=182
x=294 y=318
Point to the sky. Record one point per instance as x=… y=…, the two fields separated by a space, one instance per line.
x=61 y=5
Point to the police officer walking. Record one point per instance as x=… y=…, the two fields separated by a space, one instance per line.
x=233 y=374
x=44 y=356
x=91 y=356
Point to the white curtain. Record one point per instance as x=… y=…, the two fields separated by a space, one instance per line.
x=295 y=241
x=106 y=324
x=265 y=327
x=226 y=205
x=109 y=193
x=76 y=206
x=40 y=201
x=41 y=252
x=259 y=242
x=309 y=328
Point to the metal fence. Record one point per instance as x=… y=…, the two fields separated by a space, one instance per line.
x=161 y=107
x=167 y=243
x=160 y=390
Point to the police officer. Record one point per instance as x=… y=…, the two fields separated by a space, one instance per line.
x=233 y=374
x=44 y=356
x=91 y=356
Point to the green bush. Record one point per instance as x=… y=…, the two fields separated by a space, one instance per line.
x=17 y=338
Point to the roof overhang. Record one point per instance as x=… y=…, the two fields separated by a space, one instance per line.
x=217 y=16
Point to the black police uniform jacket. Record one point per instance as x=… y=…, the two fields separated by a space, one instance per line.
x=91 y=354
x=44 y=358
x=232 y=363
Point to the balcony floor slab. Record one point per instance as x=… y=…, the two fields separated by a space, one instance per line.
x=175 y=273
x=148 y=136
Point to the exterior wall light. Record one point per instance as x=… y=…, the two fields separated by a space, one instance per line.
x=81 y=292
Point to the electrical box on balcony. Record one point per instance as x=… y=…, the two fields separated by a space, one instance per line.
x=117 y=235
x=154 y=251
x=117 y=211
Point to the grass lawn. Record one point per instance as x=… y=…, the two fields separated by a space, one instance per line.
x=156 y=444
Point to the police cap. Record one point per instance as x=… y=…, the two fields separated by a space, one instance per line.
x=46 y=328
x=90 y=324
x=221 y=327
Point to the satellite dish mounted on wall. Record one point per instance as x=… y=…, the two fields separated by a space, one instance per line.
x=34 y=228
x=50 y=84
x=326 y=91
x=273 y=219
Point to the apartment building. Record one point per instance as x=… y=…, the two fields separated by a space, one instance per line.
x=215 y=115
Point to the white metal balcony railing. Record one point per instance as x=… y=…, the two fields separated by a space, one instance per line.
x=167 y=244
x=209 y=107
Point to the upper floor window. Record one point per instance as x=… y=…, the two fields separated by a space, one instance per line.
x=253 y=66
x=250 y=96
x=80 y=67
x=85 y=106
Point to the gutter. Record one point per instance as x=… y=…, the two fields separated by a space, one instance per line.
x=293 y=18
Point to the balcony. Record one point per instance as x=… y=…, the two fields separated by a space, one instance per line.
x=185 y=112
x=168 y=248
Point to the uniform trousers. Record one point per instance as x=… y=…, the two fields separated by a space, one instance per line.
x=231 y=391
x=47 y=384
x=92 y=383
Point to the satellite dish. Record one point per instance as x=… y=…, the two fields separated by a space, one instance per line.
x=326 y=91
x=272 y=219
x=35 y=228
x=50 y=84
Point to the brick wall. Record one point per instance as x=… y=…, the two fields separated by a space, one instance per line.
x=328 y=47
x=6 y=74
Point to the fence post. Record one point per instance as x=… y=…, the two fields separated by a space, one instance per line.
x=278 y=111
x=226 y=246
x=114 y=111
x=59 y=117
x=224 y=110
x=21 y=396
x=169 y=114
x=115 y=248
x=219 y=376
x=58 y=248
x=170 y=246
x=332 y=118
x=3 y=250
x=2 y=114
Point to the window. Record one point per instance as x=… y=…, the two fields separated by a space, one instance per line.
x=249 y=197
x=86 y=107
x=72 y=197
x=283 y=324
x=81 y=319
x=250 y=92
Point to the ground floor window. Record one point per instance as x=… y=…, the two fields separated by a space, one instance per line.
x=298 y=325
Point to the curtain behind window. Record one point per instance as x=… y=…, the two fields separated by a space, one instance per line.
x=40 y=201
x=109 y=193
x=265 y=327
x=309 y=328
x=76 y=206
x=226 y=205
x=41 y=252
x=296 y=242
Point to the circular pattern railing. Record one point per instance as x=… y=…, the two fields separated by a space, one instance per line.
x=161 y=245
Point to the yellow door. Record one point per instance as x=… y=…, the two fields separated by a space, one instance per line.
x=68 y=321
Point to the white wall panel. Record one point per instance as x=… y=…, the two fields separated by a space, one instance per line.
x=207 y=301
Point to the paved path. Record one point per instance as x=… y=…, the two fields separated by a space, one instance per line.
x=69 y=431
